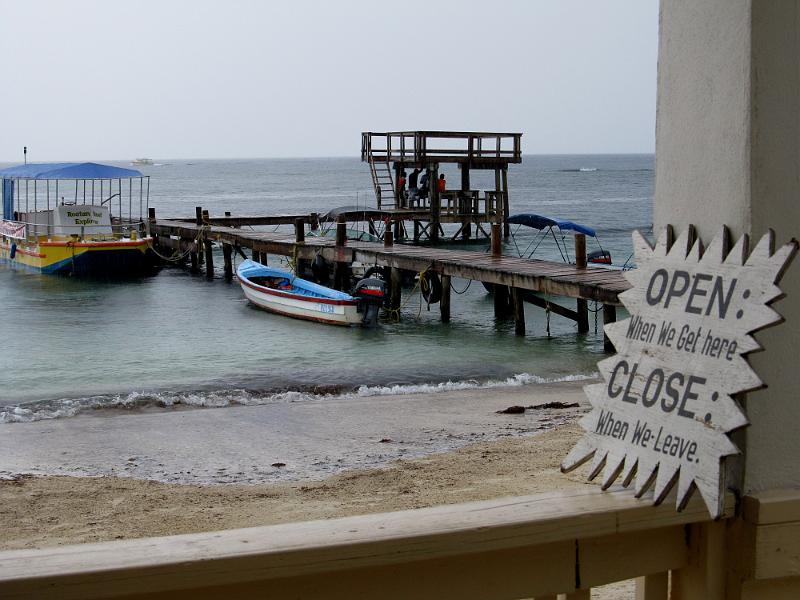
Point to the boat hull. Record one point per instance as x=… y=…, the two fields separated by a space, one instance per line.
x=283 y=293
x=112 y=258
x=332 y=312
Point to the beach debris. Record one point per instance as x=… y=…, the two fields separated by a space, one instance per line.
x=556 y=405
x=278 y=464
x=512 y=410
x=385 y=440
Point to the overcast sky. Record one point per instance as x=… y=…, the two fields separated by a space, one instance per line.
x=171 y=79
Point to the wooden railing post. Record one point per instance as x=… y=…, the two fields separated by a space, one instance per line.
x=497 y=246
x=388 y=236
x=705 y=576
x=580 y=250
x=653 y=587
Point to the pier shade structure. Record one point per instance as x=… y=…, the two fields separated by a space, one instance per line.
x=390 y=154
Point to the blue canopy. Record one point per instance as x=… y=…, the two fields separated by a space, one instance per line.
x=540 y=222
x=86 y=170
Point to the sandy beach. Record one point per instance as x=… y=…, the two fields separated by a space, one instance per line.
x=128 y=495
x=521 y=456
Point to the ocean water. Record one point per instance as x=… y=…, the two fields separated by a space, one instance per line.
x=177 y=339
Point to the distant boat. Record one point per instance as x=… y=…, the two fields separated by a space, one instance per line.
x=283 y=293
x=142 y=161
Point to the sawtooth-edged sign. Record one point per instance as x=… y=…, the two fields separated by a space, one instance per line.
x=669 y=396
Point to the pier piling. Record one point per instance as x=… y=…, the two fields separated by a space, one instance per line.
x=388 y=236
x=227 y=254
x=582 y=306
x=444 y=303
x=209 y=259
x=609 y=316
x=518 y=305
x=395 y=286
x=501 y=301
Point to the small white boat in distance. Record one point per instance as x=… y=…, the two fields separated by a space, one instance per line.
x=283 y=293
x=142 y=161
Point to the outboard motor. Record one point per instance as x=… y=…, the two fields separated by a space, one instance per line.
x=370 y=293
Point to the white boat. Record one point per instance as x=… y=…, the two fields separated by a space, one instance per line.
x=142 y=161
x=280 y=292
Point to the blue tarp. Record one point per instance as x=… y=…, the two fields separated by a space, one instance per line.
x=540 y=222
x=68 y=171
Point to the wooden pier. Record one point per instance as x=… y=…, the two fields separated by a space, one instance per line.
x=514 y=280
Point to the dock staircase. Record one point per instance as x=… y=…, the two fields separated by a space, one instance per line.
x=382 y=180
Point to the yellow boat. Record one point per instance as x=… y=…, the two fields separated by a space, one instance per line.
x=75 y=219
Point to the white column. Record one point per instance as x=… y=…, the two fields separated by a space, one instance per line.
x=728 y=152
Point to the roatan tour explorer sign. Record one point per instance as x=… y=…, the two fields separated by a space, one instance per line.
x=667 y=402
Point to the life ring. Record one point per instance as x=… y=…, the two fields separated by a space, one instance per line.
x=431 y=287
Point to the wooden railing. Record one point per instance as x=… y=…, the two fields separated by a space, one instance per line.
x=534 y=546
x=425 y=147
x=555 y=545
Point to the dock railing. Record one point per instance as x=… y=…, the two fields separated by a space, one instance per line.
x=425 y=147
x=553 y=545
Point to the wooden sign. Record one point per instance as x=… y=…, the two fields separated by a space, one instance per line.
x=668 y=399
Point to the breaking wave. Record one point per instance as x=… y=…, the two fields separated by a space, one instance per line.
x=139 y=401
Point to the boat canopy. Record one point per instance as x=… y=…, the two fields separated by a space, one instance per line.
x=364 y=212
x=541 y=222
x=85 y=170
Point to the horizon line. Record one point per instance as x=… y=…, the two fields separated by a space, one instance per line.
x=319 y=157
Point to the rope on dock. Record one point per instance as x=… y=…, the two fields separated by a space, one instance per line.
x=464 y=291
x=176 y=257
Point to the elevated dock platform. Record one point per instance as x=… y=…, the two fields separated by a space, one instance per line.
x=392 y=156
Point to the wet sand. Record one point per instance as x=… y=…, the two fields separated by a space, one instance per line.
x=284 y=441
x=113 y=477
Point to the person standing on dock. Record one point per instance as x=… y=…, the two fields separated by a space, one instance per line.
x=413 y=191
x=412 y=181
x=424 y=184
x=401 y=187
x=442 y=183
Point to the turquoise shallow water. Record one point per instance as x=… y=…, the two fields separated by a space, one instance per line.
x=176 y=338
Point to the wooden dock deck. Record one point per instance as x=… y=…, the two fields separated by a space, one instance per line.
x=512 y=278
x=548 y=277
